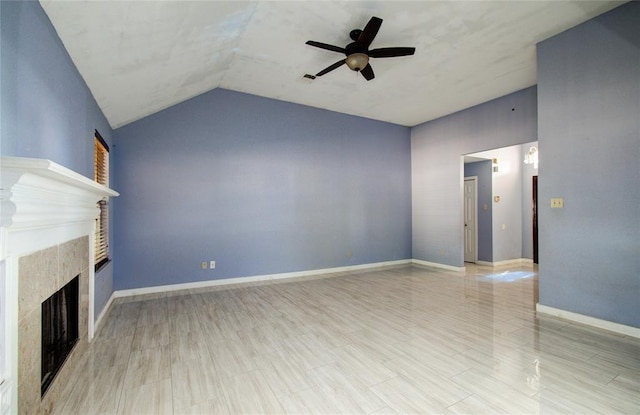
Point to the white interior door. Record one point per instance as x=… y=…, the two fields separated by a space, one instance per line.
x=470 y=219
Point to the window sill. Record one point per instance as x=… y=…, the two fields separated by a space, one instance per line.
x=100 y=265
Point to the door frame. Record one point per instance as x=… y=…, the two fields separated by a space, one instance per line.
x=534 y=191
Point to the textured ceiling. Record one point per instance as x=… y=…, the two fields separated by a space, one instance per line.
x=139 y=57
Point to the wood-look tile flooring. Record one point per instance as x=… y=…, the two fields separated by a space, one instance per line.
x=399 y=340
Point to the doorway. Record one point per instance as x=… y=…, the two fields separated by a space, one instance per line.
x=534 y=187
x=470 y=219
x=504 y=211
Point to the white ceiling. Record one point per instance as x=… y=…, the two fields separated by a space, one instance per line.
x=139 y=57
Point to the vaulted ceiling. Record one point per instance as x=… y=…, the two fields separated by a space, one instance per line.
x=139 y=57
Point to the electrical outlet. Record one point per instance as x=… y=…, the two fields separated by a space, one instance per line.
x=212 y=264
x=557 y=203
x=204 y=265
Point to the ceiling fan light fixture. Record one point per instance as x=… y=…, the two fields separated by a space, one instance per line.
x=357 y=52
x=357 y=61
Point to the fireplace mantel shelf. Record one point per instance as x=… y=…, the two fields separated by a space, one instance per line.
x=16 y=167
x=38 y=194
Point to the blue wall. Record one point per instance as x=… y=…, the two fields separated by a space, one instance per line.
x=47 y=111
x=437 y=169
x=261 y=187
x=589 y=107
x=482 y=169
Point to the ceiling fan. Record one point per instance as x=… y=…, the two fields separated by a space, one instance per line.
x=358 y=53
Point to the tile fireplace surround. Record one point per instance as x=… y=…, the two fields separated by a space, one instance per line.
x=47 y=230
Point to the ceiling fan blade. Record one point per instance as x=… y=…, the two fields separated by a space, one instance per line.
x=367 y=72
x=391 y=52
x=370 y=31
x=332 y=67
x=325 y=46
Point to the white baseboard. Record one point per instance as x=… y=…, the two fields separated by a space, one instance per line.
x=543 y=309
x=437 y=265
x=256 y=278
x=104 y=312
x=590 y=321
x=518 y=261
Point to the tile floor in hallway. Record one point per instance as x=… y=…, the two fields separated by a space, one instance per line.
x=397 y=340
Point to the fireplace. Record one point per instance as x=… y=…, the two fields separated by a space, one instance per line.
x=53 y=292
x=59 y=330
x=47 y=227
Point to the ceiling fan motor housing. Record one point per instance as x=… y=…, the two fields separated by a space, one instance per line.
x=355 y=34
x=355 y=47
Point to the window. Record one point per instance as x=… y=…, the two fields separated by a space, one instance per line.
x=101 y=175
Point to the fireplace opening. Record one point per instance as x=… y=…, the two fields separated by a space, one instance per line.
x=59 y=330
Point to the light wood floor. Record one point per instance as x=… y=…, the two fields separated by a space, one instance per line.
x=400 y=340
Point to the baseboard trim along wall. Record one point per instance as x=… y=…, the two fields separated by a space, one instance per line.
x=543 y=309
x=518 y=261
x=104 y=312
x=590 y=321
x=437 y=265
x=256 y=278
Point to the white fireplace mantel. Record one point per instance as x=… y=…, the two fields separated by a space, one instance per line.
x=42 y=204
